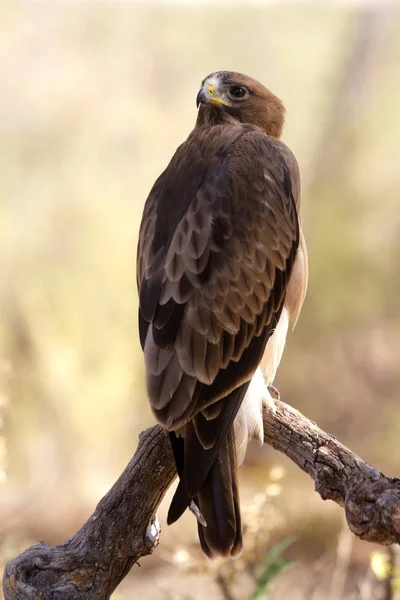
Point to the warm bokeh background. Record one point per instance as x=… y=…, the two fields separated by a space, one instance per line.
x=94 y=99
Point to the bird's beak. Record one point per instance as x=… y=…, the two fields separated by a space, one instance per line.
x=209 y=95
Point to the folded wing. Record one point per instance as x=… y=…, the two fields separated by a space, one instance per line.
x=213 y=268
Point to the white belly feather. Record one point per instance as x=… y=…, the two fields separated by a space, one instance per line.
x=249 y=422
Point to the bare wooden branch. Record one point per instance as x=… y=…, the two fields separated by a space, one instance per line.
x=92 y=563
x=370 y=499
x=122 y=529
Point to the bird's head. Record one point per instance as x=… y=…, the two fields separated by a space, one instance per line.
x=227 y=97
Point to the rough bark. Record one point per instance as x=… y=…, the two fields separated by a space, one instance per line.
x=92 y=563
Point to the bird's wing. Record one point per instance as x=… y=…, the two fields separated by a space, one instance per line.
x=216 y=248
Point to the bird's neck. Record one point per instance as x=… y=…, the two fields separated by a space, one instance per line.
x=208 y=116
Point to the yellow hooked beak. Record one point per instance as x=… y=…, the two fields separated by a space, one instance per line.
x=208 y=96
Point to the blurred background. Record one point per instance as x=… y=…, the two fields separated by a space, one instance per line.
x=94 y=99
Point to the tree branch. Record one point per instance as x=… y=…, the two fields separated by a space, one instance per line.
x=122 y=529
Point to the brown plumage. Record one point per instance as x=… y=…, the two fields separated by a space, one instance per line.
x=221 y=270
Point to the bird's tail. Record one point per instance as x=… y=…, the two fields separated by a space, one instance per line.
x=206 y=461
x=218 y=501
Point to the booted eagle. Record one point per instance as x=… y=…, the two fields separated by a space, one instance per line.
x=221 y=272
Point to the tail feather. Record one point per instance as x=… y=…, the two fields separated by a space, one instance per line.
x=218 y=501
x=206 y=461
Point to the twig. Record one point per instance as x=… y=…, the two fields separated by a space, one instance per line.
x=342 y=565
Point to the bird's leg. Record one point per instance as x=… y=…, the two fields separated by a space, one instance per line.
x=275 y=393
x=268 y=400
x=259 y=393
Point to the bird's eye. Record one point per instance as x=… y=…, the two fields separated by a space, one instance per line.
x=238 y=93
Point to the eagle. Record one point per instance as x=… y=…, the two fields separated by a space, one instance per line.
x=221 y=274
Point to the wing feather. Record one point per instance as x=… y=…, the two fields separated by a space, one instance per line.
x=223 y=272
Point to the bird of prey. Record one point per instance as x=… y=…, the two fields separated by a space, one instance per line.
x=221 y=273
